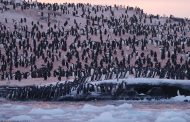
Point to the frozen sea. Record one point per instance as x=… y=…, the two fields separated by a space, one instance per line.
x=96 y=111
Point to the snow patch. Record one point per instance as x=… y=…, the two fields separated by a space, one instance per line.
x=19 y=107
x=171 y=116
x=153 y=81
x=21 y=118
x=91 y=108
x=46 y=117
x=7 y=105
x=124 y=106
x=107 y=112
x=47 y=111
x=180 y=98
x=106 y=117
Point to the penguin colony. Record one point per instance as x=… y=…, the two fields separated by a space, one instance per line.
x=89 y=43
x=82 y=90
x=76 y=41
x=73 y=40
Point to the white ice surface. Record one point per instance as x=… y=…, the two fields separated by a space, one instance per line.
x=180 y=98
x=110 y=111
x=21 y=118
x=41 y=111
x=145 y=81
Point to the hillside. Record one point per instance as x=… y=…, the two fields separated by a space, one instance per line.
x=50 y=42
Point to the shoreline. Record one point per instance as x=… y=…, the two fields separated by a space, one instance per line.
x=54 y=81
x=100 y=91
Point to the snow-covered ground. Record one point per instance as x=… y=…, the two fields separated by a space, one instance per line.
x=153 y=81
x=130 y=80
x=98 y=111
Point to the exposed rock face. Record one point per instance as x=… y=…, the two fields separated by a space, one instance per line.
x=156 y=91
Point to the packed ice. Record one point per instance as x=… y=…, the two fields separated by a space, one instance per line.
x=96 y=111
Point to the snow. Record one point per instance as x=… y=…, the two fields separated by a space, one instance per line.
x=91 y=108
x=21 y=118
x=46 y=117
x=46 y=111
x=181 y=98
x=171 y=116
x=152 y=81
x=132 y=115
x=131 y=80
x=102 y=111
x=106 y=117
x=19 y=107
